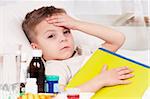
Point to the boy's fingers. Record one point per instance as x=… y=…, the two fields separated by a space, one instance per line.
x=58 y=24
x=104 y=68
x=52 y=21
x=49 y=18
x=55 y=21
x=54 y=17
x=126 y=76
x=125 y=71
x=121 y=68
x=124 y=82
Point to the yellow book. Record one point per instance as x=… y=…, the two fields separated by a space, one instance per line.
x=94 y=65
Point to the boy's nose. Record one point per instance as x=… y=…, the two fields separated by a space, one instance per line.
x=63 y=38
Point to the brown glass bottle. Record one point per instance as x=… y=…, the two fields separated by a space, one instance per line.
x=37 y=70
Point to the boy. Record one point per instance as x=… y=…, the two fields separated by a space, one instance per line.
x=48 y=29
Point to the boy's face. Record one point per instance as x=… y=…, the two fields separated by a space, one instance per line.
x=55 y=42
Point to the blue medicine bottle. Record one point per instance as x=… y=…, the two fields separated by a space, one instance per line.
x=51 y=84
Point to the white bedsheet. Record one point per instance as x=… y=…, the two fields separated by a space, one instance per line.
x=146 y=94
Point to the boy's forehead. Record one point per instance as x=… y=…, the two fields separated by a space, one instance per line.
x=44 y=26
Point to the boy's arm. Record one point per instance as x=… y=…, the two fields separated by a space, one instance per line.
x=92 y=85
x=113 y=39
x=112 y=77
x=107 y=78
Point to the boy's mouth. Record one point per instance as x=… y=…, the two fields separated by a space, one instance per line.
x=66 y=47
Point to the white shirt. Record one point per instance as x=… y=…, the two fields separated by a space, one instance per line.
x=66 y=69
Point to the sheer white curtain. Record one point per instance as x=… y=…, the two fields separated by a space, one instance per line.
x=139 y=39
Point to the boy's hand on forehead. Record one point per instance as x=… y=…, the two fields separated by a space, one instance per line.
x=63 y=20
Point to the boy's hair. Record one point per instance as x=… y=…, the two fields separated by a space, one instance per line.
x=35 y=17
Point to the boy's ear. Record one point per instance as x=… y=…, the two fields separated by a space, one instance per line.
x=34 y=46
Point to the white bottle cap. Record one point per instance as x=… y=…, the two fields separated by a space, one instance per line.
x=31 y=80
x=36 y=53
x=73 y=91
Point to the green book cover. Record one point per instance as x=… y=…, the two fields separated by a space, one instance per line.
x=94 y=65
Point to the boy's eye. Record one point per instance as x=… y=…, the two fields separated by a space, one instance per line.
x=66 y=32
x=51 y=36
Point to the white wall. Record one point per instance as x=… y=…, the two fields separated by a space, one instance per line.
x=137 y=37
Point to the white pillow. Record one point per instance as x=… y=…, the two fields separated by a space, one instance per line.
x=13 y=14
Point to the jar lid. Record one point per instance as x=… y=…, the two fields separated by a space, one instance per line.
x=52 y=77
x=36 y=53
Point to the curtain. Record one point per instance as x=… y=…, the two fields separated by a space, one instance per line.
x=137 y=11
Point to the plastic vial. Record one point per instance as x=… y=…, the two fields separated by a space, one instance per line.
x=23 y=73
x=31 y=86
x=73 y=93
x=51 y=84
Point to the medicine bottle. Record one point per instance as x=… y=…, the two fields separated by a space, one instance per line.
x=37 y=70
